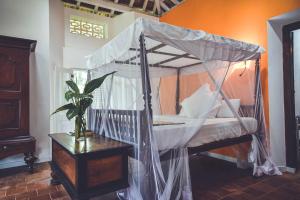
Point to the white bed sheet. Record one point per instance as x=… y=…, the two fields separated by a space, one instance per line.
x=213 y=129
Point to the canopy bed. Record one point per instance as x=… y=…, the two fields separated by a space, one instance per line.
x=153 y=103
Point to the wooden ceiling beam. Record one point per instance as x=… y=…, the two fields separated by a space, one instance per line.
x=157 y=5
x=109 y=5
x=179 y=2
x=78 y=4
x=115 y=6
x=131 y=3
x=175 y=2
x=96 y=9
x=164 y=6
x=145 y=4
x=112 y=12
x=154 y=8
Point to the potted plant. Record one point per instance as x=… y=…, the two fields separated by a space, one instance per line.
x=79 y=102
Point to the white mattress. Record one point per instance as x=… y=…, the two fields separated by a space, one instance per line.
x=214 y=129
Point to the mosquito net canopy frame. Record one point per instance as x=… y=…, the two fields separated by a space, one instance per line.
x=129 y=106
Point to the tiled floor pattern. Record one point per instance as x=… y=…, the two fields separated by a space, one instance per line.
x=212 y=179
x=36 y=186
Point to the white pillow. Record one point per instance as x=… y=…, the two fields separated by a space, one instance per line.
x=197 y=104
x=190 y=105
x=225 y=111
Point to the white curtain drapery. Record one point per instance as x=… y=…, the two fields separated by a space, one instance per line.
x=157 y=67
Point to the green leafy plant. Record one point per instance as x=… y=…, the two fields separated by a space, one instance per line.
x=79 y=102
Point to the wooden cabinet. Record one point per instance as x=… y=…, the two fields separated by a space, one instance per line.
x=14 y=98
x=89 y=169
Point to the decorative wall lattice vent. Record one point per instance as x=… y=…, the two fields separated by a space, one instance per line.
x=88 y=29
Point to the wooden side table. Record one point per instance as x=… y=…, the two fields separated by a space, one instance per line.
x=91 y=168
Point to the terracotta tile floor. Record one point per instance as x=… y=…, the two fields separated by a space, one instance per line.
x=212 y=179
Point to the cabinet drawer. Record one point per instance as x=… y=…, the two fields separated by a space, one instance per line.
x=12 y=147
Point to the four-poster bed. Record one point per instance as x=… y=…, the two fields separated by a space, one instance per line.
x=128 y=120
x=130 y=107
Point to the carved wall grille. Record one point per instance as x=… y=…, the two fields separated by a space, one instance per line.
x=88 y=29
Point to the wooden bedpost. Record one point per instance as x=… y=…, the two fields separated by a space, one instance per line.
x=177 y=108
x=146 y=86
x=257 y=77
x=258 y=113
x=147 y=182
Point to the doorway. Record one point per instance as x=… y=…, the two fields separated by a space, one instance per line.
x=291 y=80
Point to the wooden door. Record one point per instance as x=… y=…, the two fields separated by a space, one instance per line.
x=14 y=92
x=291 y=136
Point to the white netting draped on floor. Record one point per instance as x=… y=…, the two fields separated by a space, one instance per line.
x=176 y=90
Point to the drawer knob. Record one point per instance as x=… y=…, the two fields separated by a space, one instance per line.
x=4 y=148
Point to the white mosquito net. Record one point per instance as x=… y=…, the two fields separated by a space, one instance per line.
x=177 y=92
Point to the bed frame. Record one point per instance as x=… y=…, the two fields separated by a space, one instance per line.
x=127 y=118
x=127 y=123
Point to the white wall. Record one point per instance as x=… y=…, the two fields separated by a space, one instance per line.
x=122 y=21
x=56 y=44
x=30 y=20
x=78 y=46
x=47 y=21
x=276 y=93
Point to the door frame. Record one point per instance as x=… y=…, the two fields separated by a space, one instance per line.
x=291 y=138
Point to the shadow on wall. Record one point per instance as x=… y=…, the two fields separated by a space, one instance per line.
x=39 y=106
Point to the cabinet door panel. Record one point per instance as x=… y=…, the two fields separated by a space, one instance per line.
x=14 y=92
x=9 y=114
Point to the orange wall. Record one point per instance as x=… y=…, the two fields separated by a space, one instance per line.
x=244 y=20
